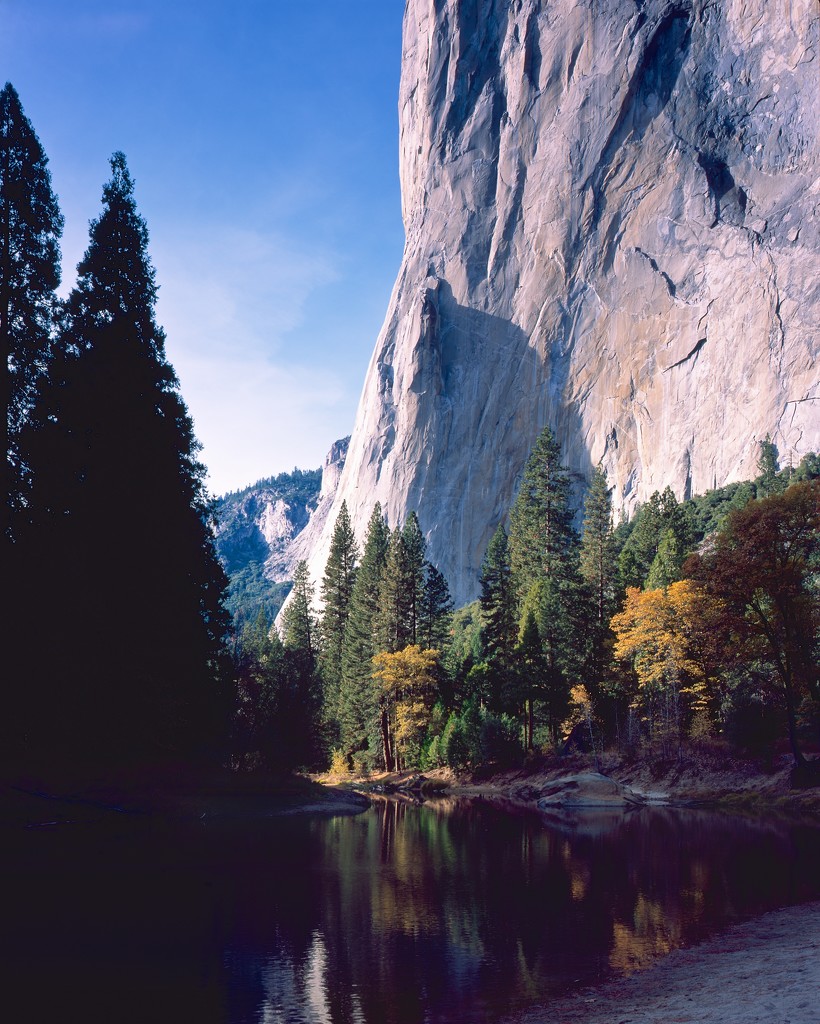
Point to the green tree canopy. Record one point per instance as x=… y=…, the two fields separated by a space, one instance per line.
x=542 y=538
x=498 y=601
x=598 y=549
x=358 y=696
x=299 y=623
x=337 y=592
x=763 y=567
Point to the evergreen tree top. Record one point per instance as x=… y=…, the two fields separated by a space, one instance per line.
x=542 y=538
x=116 y=280
x=30 y=229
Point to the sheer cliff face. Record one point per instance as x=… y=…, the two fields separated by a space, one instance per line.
x=611 y=219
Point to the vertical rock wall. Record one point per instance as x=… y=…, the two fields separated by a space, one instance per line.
x=611 y=226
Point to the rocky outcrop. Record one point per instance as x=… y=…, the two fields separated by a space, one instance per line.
x=611 y=227
x=588 y=789
x=303 y=544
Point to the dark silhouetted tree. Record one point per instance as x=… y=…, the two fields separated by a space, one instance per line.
x=276 y=719
x=133 y=659
x=30 y=229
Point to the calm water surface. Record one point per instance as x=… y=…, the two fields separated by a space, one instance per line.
x=455 y=911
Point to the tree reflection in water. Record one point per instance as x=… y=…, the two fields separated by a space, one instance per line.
x=462 y=911
x=449 y=912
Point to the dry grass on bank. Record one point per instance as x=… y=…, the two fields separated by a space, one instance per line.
x=703 y=773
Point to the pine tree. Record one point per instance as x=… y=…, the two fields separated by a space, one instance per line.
x=544 y=555
x=299 y=619
x=358 y=694
x=532 y=670
x=121 y=538
x=498 y=600
x=768 y=466
x=276 y=717
x=666 y=565
x=661 y=513
x=599 y=571
x=542 y=538
x=337 y=591
x=402 y=588
x=557 y=605
x=389 y=626
x=414 y=576
x=598 y=564
x=30 y=229
x=436 y=611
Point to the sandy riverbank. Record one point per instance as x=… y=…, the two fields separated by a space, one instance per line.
x=765 y=971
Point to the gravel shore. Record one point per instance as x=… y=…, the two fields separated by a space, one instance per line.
x=765 y=971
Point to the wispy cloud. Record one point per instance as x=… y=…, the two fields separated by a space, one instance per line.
x=234 y=289
x=94 y=22
x=229 y=297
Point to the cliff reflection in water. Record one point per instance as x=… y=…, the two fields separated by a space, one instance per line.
x=459 y=911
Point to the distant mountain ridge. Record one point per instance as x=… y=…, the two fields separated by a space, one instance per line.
x=258 y=528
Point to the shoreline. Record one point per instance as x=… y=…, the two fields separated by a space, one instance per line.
x=762 y=971
x=702 y=776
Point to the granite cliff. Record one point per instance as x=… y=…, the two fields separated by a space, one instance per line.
x=611 y=226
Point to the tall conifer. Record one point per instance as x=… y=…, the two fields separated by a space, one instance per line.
x=598 y=549
x=402 y=588
x=544 y=558
x=435 y=624
x=299 y=623
x=358 y=693
x=30 y=229
x=498 y=620
x=122 y=542
x=542 y=538
x=337 y=591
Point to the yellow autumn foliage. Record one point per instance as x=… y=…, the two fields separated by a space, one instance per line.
x=664 y=634
x=408 y=685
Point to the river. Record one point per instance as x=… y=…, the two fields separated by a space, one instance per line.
x=455 y=911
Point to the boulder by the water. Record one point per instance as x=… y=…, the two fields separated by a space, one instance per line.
x=588 y=789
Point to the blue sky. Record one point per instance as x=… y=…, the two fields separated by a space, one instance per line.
x=263 y=137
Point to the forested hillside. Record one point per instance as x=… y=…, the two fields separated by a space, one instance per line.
x=254 y=528
x=691 y=620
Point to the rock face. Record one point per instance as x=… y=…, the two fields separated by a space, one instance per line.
x=588 y=789
x=611 y=227
x=303 y=544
